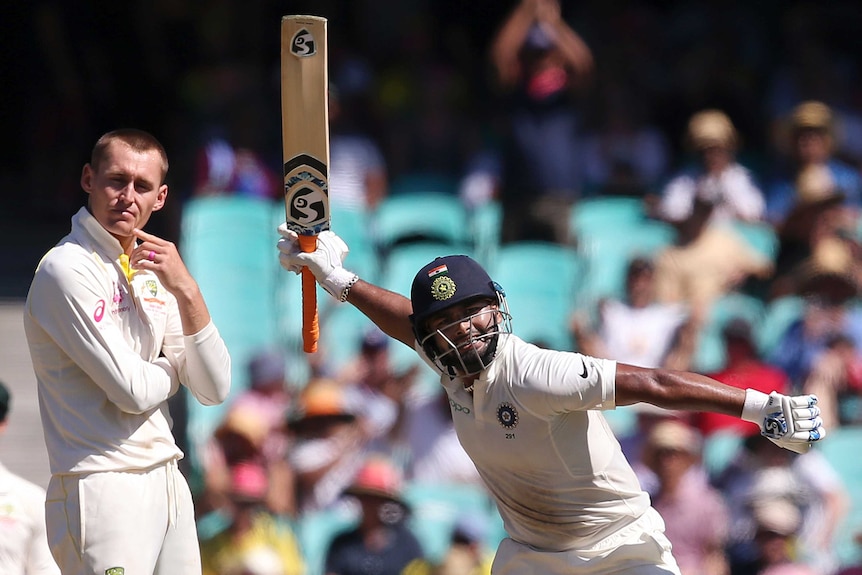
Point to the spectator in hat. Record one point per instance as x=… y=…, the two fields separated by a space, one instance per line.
x=378 y=391
x=810 y=140
x=252 y=431
x=776 y=526
x=828 y=282
x=819 y=215
x=254 y=541
x=673 y=452
x=23 y=540
x=467 y=553
x=328 y=444
x=716 y=177
x=744 y=368
x=382 y=543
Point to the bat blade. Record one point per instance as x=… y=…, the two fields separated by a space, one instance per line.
x=305 y=141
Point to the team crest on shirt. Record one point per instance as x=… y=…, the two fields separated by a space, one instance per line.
x=115 y=571
x=507 y=415
x=442 y=288
x=152 y=287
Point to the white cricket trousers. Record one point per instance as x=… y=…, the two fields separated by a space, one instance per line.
x=123 y=523
x=640 y=548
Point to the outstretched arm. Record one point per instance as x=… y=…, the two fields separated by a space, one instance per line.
x=790 y=422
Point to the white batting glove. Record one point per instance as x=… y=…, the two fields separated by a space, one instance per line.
x=325 y=262
x=793 y=423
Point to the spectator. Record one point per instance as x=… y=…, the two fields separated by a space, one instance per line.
x=761 y=474
x=775 y=538
x=435 y=454
x=541 y=63
x=467 y=553
x=382 y=539
x=707 y=262
x=744 y=369
x=684 y=498
x=836 y=378
x=23 y=541
x=717 y=178
x=358 y=178
x=811 y=139
x=819 y=214
x=639 y=330
x=254 y=540
x=329 y=445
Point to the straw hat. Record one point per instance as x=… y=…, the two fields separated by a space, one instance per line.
x=378 y=477
x=711 y=128
x=322 y=398
x=828 y=273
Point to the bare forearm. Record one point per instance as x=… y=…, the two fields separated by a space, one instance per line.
x=677 y=390
x=388 y=310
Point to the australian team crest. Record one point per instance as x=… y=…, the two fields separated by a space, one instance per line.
x=152 y=287
x=507 y=415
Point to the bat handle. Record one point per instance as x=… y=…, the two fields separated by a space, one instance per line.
x=310 y=320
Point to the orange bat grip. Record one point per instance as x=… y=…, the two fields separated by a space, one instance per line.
x=310 y=320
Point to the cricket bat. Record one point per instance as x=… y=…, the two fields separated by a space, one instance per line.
x=305 y=141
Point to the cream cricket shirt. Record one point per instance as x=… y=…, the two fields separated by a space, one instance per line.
x=108 y=352
x=534 y=430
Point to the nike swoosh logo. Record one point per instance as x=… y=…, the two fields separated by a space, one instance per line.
x=586 y=373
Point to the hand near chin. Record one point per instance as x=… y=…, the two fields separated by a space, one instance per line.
x=162 y=258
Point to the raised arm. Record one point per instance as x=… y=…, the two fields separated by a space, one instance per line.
x=388 y=310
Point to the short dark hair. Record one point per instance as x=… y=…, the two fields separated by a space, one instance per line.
x=138 y=140
x=5 y=400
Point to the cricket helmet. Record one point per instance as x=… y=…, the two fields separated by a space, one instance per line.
x=444 y=283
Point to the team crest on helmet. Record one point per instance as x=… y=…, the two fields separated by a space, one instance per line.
x=152 y=287
x=507 y=415
x=443 y=288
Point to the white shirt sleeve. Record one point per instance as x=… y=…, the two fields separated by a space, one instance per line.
x=72 y=306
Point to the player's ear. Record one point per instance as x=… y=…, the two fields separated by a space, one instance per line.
x=161 y=198
x=87 y=178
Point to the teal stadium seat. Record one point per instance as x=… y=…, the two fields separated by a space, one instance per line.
x=420 y=216
x=485 y=222
x=436 y=508
x=779 y=315
x=608 y=250
x=423 y=183
x=541 y=281
x=228 y=244
x=710 y=355
x=602 y=212
x=759 y=235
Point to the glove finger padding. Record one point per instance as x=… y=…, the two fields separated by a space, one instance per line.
x=325 y=262
x=790 y=422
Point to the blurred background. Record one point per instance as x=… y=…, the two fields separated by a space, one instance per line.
x=421 y=109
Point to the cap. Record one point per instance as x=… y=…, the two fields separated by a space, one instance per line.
x=265 y=367
x=711 y=128
x=378 y=477
x=811 y=115
x=675 y=435
x=322 y=398
x=777 y=516
x=374 y=339
x=4 y=401
x=248 y=482
x=448 y=281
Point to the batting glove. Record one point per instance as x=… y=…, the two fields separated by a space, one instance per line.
x=793 y=423
x=325 y=262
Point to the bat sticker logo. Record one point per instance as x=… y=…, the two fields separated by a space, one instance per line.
x=302 y=44
x=308 y=206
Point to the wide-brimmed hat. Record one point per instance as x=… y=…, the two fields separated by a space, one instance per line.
x=812 y=115
x=322 y=398
x=709 y=128
x=828 y=273
x=816 y=191
x=674 y=435
x=378 y=477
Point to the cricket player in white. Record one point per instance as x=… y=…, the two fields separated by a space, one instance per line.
x=115 y=323
x=531 y=419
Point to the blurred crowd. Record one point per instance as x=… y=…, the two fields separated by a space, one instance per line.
x=723 y=121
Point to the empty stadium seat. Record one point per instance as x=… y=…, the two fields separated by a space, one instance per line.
x=420 y=216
